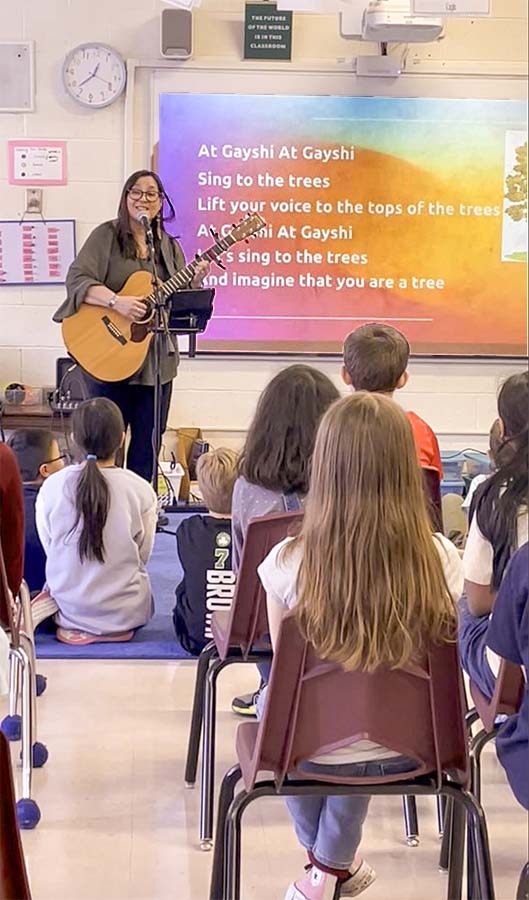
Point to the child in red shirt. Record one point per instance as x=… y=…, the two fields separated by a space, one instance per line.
x=375 y=359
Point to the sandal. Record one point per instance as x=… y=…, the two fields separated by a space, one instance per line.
x=81 y=638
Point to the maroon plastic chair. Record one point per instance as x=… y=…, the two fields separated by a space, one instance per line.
x=506 y=700
x=314 y=706
x=14 y=883
x=239 y=635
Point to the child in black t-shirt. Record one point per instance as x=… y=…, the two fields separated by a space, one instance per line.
x=204 y=549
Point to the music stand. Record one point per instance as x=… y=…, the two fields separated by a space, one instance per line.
x=189 y=313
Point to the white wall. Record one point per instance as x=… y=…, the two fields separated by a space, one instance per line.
x=456 y=397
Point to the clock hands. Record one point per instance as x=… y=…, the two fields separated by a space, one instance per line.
x=92 y=75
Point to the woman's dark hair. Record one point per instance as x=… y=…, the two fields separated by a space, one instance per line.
x=98 y=428
x=126 y=241
x=499 y=499
x=32 y=448
x=278 y=448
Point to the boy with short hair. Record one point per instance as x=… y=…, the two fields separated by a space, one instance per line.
x=38 y=456
x=375 y=359
x=204 y=549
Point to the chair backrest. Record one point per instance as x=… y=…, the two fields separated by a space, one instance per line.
x=248 y=617
x=507 y=697
x=432 y=488
x=14 y=883
x=6 y=614
x=314 y=707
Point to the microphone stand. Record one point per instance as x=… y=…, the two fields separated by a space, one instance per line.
x=160 y=329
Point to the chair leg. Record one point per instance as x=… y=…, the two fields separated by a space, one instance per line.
x=27 y=618
x=14 y=683
x=523 y=885
x=208 y=653
x=11 y=724
x=479 y=843
x=441 y=813
x=477 y=745
x=226 y=795
x=456 y=852
x=207 y=784
x=410 y=820
x=27 y=810
x=444 y=856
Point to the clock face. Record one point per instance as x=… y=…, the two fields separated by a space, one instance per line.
x=94 y=75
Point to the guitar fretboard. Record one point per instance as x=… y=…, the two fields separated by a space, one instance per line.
x=184 y=276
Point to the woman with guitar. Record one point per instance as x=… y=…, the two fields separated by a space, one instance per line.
x=114 y=252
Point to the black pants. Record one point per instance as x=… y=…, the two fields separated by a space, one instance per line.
x=136 y=402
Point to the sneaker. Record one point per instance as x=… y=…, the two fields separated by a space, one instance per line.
x=316 y=885
x=359 y=881
x=245 y=705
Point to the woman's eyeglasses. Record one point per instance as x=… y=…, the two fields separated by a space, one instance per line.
x=151 y=195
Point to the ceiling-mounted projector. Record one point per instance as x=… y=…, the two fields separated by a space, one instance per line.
x=391 y=22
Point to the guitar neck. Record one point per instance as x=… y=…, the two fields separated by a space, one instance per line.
x=182 y=278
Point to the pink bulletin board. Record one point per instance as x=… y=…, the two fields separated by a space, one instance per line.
x=37 y=162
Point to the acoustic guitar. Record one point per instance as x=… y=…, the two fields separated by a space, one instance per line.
x=111 y=347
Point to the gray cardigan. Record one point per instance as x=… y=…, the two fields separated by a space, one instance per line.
x=100 y=261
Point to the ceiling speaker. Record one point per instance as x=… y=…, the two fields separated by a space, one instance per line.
x=177 y=33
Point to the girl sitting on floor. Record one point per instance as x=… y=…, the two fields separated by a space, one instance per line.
x=97 y=523
x=371 y=586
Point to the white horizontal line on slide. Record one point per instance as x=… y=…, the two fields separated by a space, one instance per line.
x=443 y=124
x=325 y=318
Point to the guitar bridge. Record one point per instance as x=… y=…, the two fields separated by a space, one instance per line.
x=114 y=330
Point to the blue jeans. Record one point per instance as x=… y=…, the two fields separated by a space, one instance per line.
x=473 y=631
x=331 y=827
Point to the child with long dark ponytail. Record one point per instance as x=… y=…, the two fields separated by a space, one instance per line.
x=499 y=526
x=97 y=523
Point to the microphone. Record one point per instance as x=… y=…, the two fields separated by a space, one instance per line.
x=143 y=218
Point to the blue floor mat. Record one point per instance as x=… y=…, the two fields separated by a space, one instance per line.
x=157 y=639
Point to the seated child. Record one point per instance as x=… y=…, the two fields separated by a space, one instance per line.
x=204 y=550
x=375 y=359
x=371 y=586
x=508 y=636
x=495 y=441
x=11 y=518
x=97 y=523
x=499 y=526
x=38 y=456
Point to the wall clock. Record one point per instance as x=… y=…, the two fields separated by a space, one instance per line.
x=94 y=75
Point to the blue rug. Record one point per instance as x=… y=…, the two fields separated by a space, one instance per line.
x=157 y=639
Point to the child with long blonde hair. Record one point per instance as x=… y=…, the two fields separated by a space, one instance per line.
x=372 y=586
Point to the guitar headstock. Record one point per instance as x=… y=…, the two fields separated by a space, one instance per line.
x=248 y=226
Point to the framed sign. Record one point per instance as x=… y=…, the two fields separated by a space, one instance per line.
x=37 y=162
x=267 y=32
x=446 y=8
x=36 y=252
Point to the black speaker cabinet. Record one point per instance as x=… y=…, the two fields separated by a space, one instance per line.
x=177 y=33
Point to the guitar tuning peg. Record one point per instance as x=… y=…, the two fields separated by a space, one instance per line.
x=219 y=264
x=214 y=233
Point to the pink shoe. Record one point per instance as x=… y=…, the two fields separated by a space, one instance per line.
x=316 y=885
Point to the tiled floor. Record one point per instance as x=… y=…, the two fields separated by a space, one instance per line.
x=117 y=822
